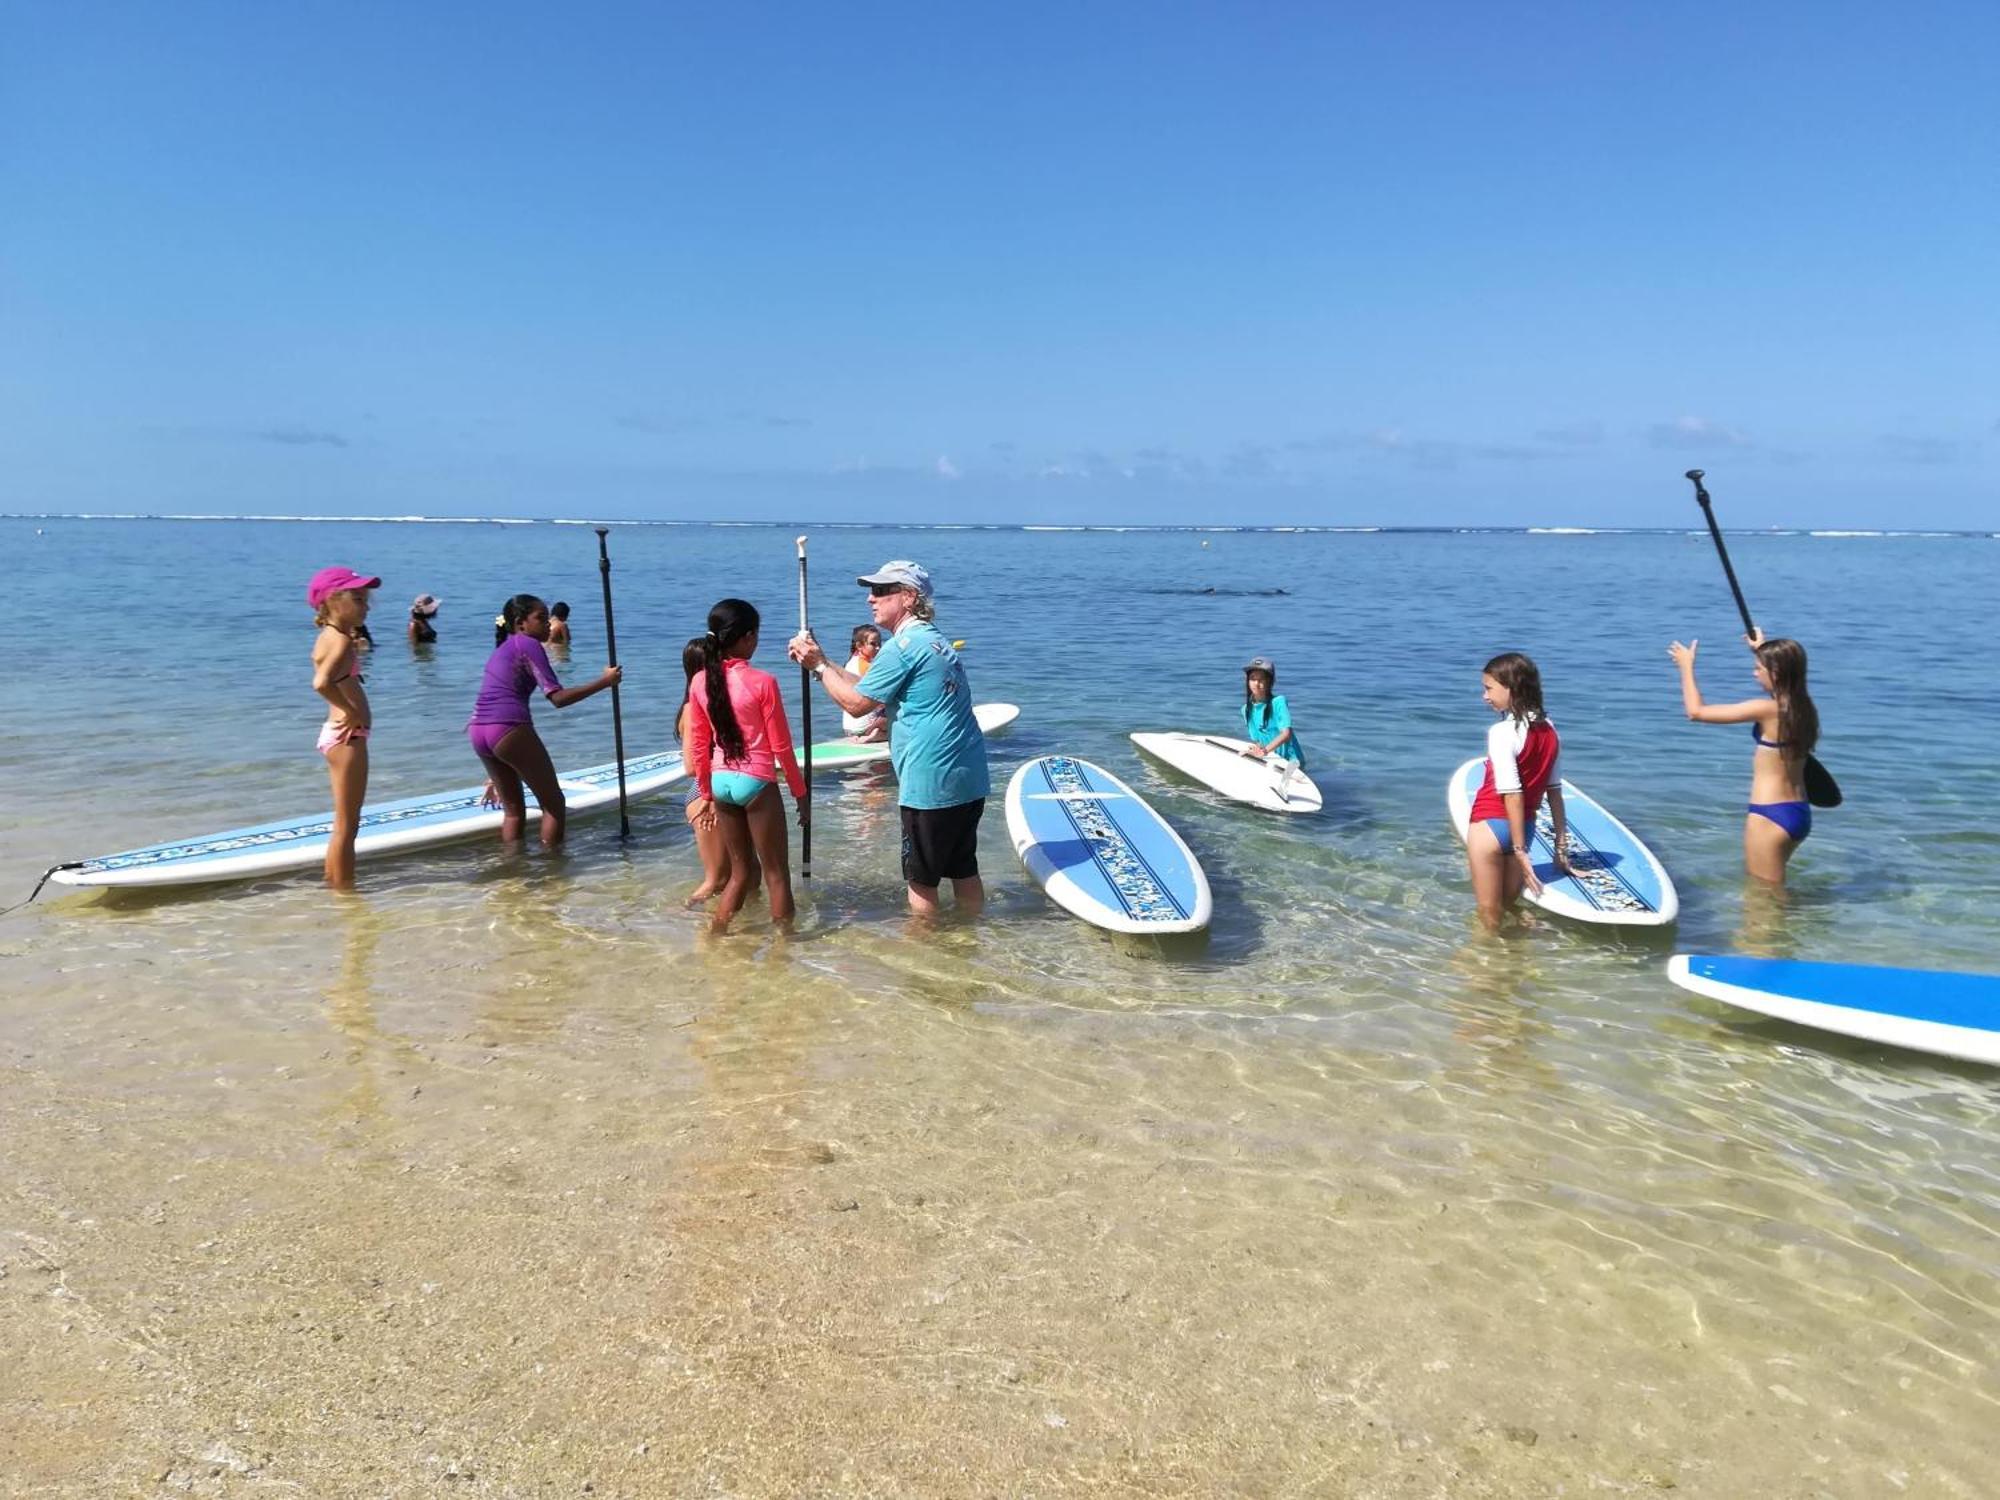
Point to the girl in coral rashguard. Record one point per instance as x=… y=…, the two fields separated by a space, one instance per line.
x=737 y=741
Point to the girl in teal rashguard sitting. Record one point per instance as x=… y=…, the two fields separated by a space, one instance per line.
x=1267 y=719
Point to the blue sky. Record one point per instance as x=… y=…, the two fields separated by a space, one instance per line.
x=1346 y=264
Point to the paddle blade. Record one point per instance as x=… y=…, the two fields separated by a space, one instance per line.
x=1821 y=789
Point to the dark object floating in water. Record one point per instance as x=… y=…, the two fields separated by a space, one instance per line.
x=1229 y=593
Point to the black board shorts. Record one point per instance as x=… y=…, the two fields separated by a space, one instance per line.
x=941 y=843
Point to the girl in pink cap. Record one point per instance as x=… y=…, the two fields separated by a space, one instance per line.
x=339 y=597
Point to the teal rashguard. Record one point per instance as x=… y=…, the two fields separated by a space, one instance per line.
x=934 y=740
x=1264 y=722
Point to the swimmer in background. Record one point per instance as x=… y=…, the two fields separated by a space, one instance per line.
x=864 y=645
x=1784 y=725
x=339 y=597
x=422 y=632
x=502 y=730
x=1267 y=717
x=559 y=623
x=1523 y=764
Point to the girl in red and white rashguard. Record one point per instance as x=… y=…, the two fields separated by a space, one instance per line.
x=1523 y=764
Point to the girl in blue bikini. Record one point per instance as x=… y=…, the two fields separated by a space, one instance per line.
x=1785 y=726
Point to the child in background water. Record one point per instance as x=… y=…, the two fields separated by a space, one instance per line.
x=339 y=597
x=1267 y=718
x=707 y=832
x=502 y=730
x=737 y=740
x=559 y=623
x=1785 y=727
x=864 y=646
x=1523 y=764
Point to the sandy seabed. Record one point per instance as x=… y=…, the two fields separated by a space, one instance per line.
x=558 y=1220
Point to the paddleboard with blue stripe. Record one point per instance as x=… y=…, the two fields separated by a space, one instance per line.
x=386 y=827
x=1618 y=880
x=1101 y=852
x=1925 y=1010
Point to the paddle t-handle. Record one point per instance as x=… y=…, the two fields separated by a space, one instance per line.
x=1715 y=535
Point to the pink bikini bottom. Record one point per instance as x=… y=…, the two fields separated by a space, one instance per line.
x=332 y=735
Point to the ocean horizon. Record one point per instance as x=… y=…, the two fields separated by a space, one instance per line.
x=1216 y=529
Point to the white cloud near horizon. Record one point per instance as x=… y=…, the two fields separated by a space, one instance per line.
x=1908 y=448
x=1696 y=432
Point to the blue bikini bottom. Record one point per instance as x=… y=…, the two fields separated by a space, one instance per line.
x=1794 y=817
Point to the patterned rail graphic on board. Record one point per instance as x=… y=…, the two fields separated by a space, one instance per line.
x=1141 y=891
x=371 y=822
x=1603 y=884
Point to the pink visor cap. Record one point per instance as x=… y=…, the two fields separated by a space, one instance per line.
x=332 y=580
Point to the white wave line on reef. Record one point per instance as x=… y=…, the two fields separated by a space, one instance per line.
x=1751 y=533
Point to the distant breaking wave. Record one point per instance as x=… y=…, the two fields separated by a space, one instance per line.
x=1044 y=527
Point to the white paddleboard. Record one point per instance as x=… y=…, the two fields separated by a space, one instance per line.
x=1218 y=763
x=840 y=754
x=1618 y=881
x=386 y=827
x=1100 y=852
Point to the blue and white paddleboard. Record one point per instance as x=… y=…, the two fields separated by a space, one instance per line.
x=1100 y=852
x=1926 y=1010
x=300 y=843
x=1618 y=880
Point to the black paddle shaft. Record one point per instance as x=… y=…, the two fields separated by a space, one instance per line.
x=1821 y=789
x=611 y=659
x=1721 y=551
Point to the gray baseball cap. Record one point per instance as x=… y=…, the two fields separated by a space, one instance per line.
x=908 y=574
x=1262 y=664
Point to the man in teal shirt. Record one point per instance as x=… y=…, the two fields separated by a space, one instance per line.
x=934 y=739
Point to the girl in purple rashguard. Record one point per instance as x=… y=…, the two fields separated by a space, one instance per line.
x=502 y=730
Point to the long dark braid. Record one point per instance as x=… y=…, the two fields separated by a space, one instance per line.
x=728 y=623
x=694 y=662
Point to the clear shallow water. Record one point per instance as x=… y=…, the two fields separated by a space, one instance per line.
x=1381 y=1190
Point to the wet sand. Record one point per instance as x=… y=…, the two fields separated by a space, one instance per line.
x=519 y=1207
